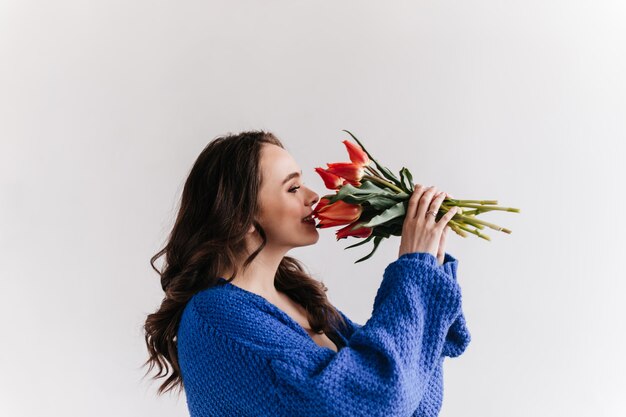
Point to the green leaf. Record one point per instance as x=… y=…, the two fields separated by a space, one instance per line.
x=388 y=228
x=377 y=241
x=372 y=203
x=360 y=243
x=388 y=174
x=394 y=211
x=367 y=188
x=381 y=233
x=405 y=174
x=410 y=179
x=381 y=203
x=378 y=198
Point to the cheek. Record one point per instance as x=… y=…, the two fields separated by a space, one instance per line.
x=289 y=204
x=281 y=211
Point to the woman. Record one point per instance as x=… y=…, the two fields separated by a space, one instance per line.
x=247 y=332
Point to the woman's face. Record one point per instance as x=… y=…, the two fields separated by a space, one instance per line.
x=284 y=201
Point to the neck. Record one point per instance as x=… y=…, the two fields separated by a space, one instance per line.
x=258 y=277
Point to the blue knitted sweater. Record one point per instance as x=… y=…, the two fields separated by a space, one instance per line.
x=241 y=355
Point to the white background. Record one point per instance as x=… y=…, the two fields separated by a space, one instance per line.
x=104 y=107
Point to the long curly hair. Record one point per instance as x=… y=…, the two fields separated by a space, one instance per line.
x=218 y=205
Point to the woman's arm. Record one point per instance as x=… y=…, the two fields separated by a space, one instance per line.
x=458 y=336
x=242 y=362
x=386 y=366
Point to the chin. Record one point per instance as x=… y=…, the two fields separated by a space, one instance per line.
x=313 y=239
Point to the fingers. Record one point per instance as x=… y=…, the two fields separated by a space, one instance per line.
x=424 y=202
x=441 y=250
x=443 y=222
x=420 y=233
x=412 y=207
x=436 y=204
x=425 y=199
x=442 y=239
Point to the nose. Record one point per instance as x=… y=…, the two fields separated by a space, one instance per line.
x=315 y=198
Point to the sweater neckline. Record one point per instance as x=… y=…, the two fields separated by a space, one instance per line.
x=283 y=314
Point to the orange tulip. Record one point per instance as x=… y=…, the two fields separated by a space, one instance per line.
x=348 y=171
x=357 y=154
x=358 y=232
x=323 y=202
x=331 y=181
x=338 y=213
x=381 y=205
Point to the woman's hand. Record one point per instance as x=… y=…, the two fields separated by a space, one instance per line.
x=441 y=253
x=420 y=231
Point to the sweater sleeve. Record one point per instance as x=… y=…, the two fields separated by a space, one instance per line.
x=431 y=405
x=385 y=368
x=458 y=336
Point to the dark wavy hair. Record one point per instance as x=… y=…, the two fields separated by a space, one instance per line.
x=218 y=205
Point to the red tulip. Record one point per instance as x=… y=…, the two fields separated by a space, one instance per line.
x=323 y=202
x=363 y=167
x=358 y=232
x=338 y=213
x=357 y=154
x=331 y=181
x=352 y=173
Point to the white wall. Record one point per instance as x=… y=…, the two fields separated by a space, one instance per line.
x=105 y=105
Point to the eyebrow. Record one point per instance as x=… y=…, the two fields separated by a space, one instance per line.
x=292 y=175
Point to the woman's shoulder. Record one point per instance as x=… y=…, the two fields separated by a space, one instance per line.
x=350 y=326
x=222 y=306
x=240 y=316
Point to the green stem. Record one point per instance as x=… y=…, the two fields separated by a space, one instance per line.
x=466 y=219
x=455 y=227
x=459 y=202
x=481 y=207
x=474 y=212
x=467 y=229
x=382 y=182
x=482 y=222
x=373 y=171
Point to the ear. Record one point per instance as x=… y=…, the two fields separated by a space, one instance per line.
x=252 y=229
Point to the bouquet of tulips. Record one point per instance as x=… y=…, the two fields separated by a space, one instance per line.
x=370 y=201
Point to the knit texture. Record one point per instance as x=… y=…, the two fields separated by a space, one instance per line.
x=240 y=355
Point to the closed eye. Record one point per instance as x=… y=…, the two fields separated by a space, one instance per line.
x=293 y=189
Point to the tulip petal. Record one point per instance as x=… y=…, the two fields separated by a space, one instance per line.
x=338 y=213
x=346 y=170
x=356 y=153
x=331 y=181
x=361 y=232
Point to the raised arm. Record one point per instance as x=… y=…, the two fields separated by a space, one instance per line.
x=458 y=337
x=385 y=368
